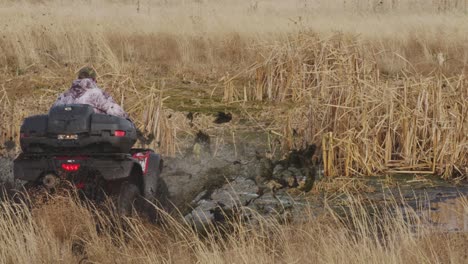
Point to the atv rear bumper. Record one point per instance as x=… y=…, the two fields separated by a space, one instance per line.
x=30 y=167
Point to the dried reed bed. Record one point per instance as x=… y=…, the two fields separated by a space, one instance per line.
x=64 y=230
x=145 y=106
x=368 y=121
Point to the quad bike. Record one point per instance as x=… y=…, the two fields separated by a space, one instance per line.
x=93 y=152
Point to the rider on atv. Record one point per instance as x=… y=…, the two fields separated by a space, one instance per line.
x=84 y=90
x=86 y=138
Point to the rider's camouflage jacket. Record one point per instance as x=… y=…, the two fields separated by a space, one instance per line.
x=86 y=91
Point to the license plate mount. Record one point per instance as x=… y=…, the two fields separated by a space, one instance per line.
x=67 y=137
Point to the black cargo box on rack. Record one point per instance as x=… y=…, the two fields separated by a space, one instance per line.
x=76 y=127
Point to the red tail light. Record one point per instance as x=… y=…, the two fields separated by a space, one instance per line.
x=70 y=166
x=119 y=133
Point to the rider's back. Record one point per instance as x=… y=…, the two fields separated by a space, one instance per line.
x=84 y=90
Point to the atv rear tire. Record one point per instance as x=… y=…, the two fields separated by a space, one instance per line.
x=156 y=197
x=128 y=199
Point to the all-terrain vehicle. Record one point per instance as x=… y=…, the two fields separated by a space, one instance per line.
x=93 y=152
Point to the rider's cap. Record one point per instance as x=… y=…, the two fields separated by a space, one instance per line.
x=87 y=72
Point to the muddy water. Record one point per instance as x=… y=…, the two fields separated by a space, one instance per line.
x=437 y=203
x=450 y=214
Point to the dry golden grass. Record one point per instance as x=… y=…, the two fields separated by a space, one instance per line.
x=209 y=37
x=66 y=231
x=379 y=84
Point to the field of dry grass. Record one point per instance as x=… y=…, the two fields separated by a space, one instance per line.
x=380 y=85
x=65 y=231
